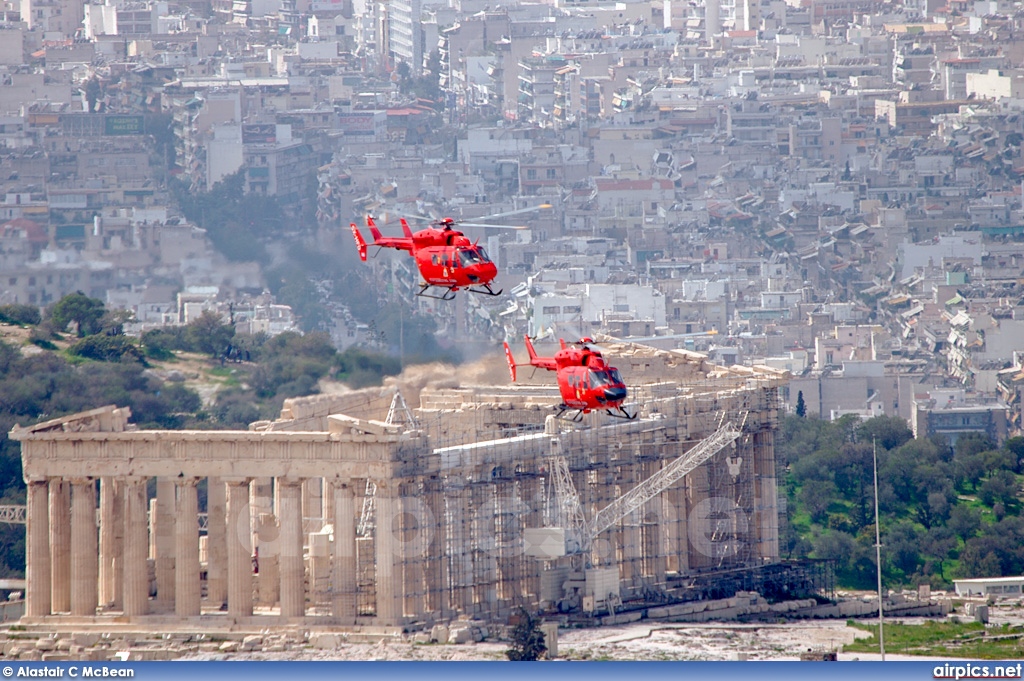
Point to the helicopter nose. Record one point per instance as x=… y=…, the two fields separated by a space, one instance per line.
x=473 y=278
x=615 y=394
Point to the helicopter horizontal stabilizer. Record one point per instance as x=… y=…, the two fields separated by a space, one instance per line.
x=511 y=362
x=360 y=244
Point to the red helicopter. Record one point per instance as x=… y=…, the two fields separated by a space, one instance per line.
x=585 y=380
x=445 y=257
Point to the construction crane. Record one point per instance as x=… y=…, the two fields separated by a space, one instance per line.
x=579 y=533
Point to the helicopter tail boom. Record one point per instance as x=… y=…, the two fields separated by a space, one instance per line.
x=399 y=243
x=542 y=362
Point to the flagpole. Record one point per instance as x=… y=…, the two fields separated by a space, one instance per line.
x=878 y=553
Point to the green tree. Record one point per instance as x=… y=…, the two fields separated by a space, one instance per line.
x=816 y=496
x=1015 y=445
x=902 y=548
x=235 y=409
x=360 y=368
x=291 y=365
x=888 y=432
x=113 y=321
x=1001 y=486
x=801 y=407
x=105 y=348
x=20 y=314
x=209 y=335
x=527 y=639
x=964 y=521
x=234 y=221
x=79 y=308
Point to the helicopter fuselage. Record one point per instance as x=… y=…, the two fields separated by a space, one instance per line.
x=445 y=257
x=586 y=382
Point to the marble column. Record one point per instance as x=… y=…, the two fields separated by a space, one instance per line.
x=766 y=496
x=654 y=557
x=108 y=541
x=186 y=553
x=60 y=545
x=328 y=501
x=164 y=541
x=268 y=547
x=151 y=515
x=84 y=549
x=262 y=498
x=676 y=542
x=239 y=541
x=38 y=592
x=313 y=498
x=117 y=562
x=216 y=543
x=293 y=593
x=343 y=604
x=415 y=536
x=698 y=530
x=437 y=565
x=136 y=545
x=388 y=549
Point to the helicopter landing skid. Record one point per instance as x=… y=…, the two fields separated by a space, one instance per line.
x=621 y=413
x=577 y=414
x=487 y=290
x=449 y=293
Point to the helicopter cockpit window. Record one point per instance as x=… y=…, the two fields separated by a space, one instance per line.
x=598 y=378
x=471 y=256
x=614 y=375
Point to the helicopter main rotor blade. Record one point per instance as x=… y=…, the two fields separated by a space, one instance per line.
x=493 y=216
x=543 y=206
x=483 y=224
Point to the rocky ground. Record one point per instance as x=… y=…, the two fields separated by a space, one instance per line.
x=644 y=640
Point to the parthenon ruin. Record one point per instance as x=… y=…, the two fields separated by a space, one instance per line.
x=352 y=509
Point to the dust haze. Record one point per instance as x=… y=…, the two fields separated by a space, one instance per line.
x=491 y=371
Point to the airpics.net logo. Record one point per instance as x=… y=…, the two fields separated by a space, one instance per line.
x=977 y=671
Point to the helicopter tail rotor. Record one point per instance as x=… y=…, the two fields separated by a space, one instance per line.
x=511 y=362
x=360 y=244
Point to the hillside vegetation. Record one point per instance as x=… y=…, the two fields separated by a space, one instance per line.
x=946 y=511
